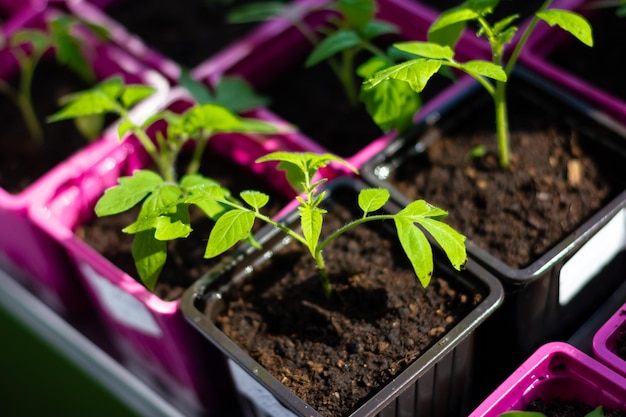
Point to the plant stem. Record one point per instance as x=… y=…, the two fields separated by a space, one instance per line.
x=201 y=142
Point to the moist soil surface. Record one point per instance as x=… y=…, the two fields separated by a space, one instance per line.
x=23 y=160
x=333 y=352
x=558 y=178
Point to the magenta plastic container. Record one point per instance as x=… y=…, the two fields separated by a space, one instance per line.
x=547 y=40
x=556 y=370
x=13 y=7
x=277 y=46
x=25 y=251
x=604 y=340
x=154 y=339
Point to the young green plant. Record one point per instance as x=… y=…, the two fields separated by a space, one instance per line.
x=493 y=75
x=412 y=223
x=29 y=45
x=340 y=43
x=164 y=212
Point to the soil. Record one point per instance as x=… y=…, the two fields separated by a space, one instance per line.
x=23 y=160
x=185 y=260
x=561 y=408
x=377 y=321
x=557 y=180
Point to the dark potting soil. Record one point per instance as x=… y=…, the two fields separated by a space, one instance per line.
x=188 y=33
x=333 y=352
x=556 y=181
x=23 y=160
x=185 y=259
x=596 y=65
x=562 y=408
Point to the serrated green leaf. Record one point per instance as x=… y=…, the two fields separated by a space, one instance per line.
x=129 y=192
x=418 y=209
x=255 y=199
x=150 y=256
x=68 y=48
x=135 y=93
x=124 y=127
x=453 y=17
x=372 y=199
x=100 y=99
x=90 y=126
x=392 y=104
x=311 y=220
x=569 y=21
x=485 y=68
x=448 y=35
x=230 y=228
x=210 y=117
x=417 y=249
x=415 y=72
x=332 y=44
x=451 y=241
x=426 y=50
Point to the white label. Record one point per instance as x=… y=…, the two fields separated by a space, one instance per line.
x=124 y=308
x=592 y=257
x=257 y=393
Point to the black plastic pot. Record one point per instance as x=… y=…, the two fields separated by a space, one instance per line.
x=552 y=296
x=437 y=383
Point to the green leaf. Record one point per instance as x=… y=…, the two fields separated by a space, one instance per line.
x=90 y=126
x=357 y=13
x=237 y=95
x=571 y=22
x=100 y=99
x=485 y=68
x=371 y=199
x=415 y=72
x=419 y=209
x=311 y=218
x=68 y=47
x=256 y=12
x=417 y=249
x=453 y=17
x=206 y=194
x=392 y=104
x=448 y=35
x=150 y=256
x=229 y=229
x=39 y=40
x=451 y=241
x=199 y=91
x=426 y=50
x=255 y=199
x=129 y=192
x=378 y=28
x=329 y=46
x=211 y=118
x=135 y=93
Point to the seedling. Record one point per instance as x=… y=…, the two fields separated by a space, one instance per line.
x=29 y=46
x=164 y=213
x=412 y=222
x=341 y=43
x=493 y=75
